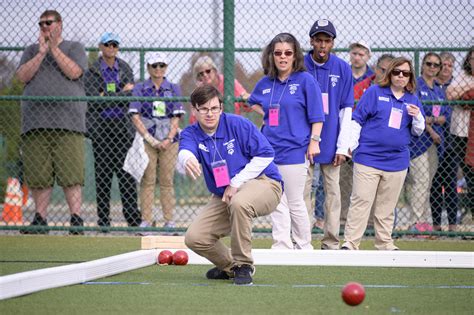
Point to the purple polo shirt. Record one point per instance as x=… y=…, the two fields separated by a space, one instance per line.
x=111 y=77
x=300 y=103
x=335 y=79
x=380 y=146
x=236 y=141
x=156 y=110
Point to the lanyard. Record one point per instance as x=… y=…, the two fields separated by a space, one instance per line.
x=273 y=90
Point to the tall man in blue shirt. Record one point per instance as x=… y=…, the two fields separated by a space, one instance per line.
x=335 y=80
x=237 y=163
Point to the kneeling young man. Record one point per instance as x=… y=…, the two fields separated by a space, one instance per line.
x=237 y=163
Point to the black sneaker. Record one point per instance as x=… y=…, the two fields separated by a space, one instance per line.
x=76 y=221
x=243 y=274
x=38 y=226
x=217 y=274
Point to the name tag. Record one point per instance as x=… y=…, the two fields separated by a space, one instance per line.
x=395 y=120
x=436 y=110
x=325 y=103
x=383 y=98
x=274 y=115
x=111 y=87
x=221 y=173
x=159 y=109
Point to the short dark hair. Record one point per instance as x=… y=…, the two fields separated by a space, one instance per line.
x=203 y=94
x=386 y=80
x=268 y=63
x=384 y=57
x=54 y=13
x=466 y=64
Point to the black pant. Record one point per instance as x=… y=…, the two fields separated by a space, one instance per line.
x=110 y=144
x=446 y=176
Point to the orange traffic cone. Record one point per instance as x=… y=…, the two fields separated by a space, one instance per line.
x=12 y=212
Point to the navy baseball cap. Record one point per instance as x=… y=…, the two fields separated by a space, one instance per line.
x=323 y=26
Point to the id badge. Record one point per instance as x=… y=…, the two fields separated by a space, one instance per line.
x=395 y=120
x=221 y=173
x=159 y=109
x=325 y=103
x=111 y=87
x=436 y=110
x=274 y=115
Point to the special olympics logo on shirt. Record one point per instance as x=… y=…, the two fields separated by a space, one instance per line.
x=293 y=87
x=203 y=147
x=230 y=146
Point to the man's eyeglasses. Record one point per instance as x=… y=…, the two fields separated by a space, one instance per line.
x=205 y=110
x=287 y=53
x=432 y=64
x=158 y=64
x=47 y=23
x=113 y=44
x=396 y=73
x=201 y=74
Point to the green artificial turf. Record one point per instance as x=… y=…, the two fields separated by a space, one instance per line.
x=277 y=289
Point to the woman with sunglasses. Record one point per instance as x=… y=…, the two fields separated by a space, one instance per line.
x=386 y=117
x=205 y=72
x=428 y=149
x=293 y=118
x=157 y=122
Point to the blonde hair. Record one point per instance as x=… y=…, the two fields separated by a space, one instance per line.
x=201 y=62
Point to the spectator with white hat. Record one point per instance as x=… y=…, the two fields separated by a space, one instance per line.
x=157 y=122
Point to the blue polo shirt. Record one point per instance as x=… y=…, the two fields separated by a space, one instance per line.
x=367 y=74
x=335 y=78
x=154 y=112
x=236 y=140
x=300 y=103
x=380 y=146
x=419 y=145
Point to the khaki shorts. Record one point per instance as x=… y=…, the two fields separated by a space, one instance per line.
x=50 y=155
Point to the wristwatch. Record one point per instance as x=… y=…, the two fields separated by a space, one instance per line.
x=316 y=138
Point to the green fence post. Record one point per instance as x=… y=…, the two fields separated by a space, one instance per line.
x=142 y=64
x=229 y=55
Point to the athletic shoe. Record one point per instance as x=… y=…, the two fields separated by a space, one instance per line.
x=243 y=274
x=217 y=274
x=76 y=221
x=38 y=221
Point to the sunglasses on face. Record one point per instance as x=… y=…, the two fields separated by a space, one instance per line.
x=432 y=64
x=46 y=23
x=396 y=73
x=113 y=44
x=158 y=64
x=287 y=53
x=201 y=74
x=205 y=110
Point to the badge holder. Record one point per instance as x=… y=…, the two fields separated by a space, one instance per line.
x=221 y=173
x=395 y=120
x=274 y=115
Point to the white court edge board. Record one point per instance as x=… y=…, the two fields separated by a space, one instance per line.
x=42 y=279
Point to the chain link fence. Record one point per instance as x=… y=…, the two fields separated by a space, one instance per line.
x=232 y=34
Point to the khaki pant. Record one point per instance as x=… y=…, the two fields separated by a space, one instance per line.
x=381 y=188
x=332 y=206
x=257 y=197
x=418 y=185
x=290 y=220
x=166 y=162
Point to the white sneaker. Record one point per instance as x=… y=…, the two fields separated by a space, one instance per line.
x=145 y=224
